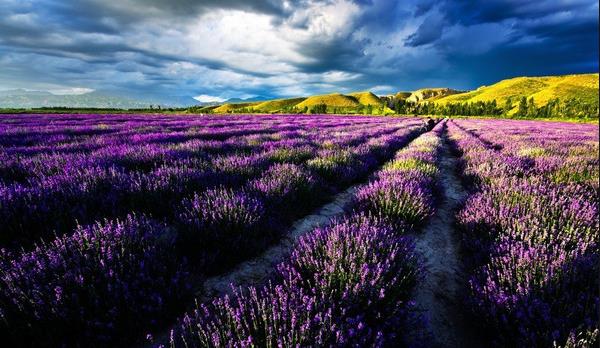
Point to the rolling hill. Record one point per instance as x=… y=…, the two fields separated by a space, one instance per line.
x=542 y=89
x=331 y=100
x=583 y=87
x=277 y=104
x=344 y=103
x=36 y=99
x=229 y=108
x=430 y=94
x=26 y=99
x=366 y=98
x=402 y=95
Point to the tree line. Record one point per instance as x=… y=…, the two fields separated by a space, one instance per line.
x=526 y=108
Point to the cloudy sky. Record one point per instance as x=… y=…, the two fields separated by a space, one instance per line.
x=217 y=49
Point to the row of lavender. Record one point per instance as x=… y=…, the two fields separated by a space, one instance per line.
x=530 y=229
x=346 y=284
x=109 y=280
x=48 y=192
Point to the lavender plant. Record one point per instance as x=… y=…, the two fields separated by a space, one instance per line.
x=97 y=286
x=344 y=285
x=531 y=231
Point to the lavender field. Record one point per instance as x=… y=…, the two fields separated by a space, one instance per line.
x=297 y=231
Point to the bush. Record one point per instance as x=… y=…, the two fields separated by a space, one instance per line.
x=345 y=285
x=221 y=224
x=91 y=288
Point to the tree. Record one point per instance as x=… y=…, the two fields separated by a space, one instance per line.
x=522 y=107
x=319 y=109
x=507 y=106
x=531 y=109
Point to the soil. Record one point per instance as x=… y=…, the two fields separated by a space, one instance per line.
x=256 y=271
x=440 y=294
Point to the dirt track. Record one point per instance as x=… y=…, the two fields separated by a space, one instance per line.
x=439 y=295
x=257 y=270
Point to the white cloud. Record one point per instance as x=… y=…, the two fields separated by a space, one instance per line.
x=71 y=91
x=230 y=48
x=203 y=98
x=383 y=89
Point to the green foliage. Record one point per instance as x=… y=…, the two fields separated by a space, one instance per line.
x=555 y=108
x=319 y=109
x=568 y=109
x=412 y=164
x=523 y=107
x=543 y=89
x=450 y=109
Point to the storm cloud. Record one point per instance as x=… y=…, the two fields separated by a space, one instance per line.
x=231 y=48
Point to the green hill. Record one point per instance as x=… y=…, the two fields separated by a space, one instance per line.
x=331 y=100
x=578 y=95
x=277 y=105
x=366 y=98
x=542 y=89
x=230 y=108
x=402 y=95
x=430 y=94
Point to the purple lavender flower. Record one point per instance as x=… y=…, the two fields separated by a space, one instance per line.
x=98 y=285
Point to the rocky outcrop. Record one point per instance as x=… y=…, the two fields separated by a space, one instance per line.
x=430 y=93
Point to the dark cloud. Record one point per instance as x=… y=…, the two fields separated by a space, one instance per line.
x=146 y=46
x=93 y=14
x=429 y=31
x=473 y=12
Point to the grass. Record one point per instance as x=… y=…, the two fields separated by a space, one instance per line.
x=542 y=89
x=584 y=87
x=229 y=108
x=277 y=105
x=403 y=95
x=366 y=98
x=332 y=100
x=430 y=94
x=407 y=164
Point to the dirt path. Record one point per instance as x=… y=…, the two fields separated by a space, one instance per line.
x=439 y=295
x=256 y=271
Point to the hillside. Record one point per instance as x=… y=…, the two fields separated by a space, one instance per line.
x=229 y=108
x=331 y=100
x=542 y=89
x=448 y=101
x=36 y=99
x=430 y=94
x=26 y=99
x=402 y=95
x=277 y=105
x=366 y=98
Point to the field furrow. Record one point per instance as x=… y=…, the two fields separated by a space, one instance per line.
x=293 y=230
x=206 y=226
x=335 y=267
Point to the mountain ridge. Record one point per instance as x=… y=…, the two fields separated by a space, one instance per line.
x=508 y=91
x=542 y=88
